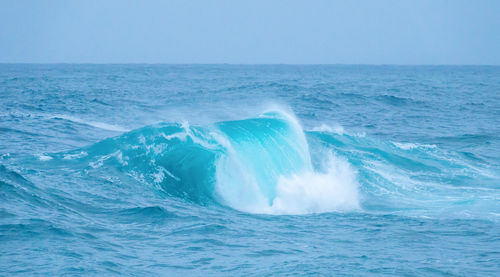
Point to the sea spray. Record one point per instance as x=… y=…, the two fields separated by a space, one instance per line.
x=267 y=169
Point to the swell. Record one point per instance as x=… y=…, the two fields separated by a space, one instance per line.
x=269 y=164
x=258 y=165
x=416 y=179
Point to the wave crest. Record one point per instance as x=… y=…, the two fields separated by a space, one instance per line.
x=257 y=165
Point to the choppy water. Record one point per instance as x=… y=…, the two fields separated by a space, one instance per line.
x=249 y=170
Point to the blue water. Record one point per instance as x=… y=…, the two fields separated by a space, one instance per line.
x=249 y=170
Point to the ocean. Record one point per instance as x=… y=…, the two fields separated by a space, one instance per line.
x=253 y=170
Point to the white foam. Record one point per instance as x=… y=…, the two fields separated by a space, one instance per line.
x=410 y=146
x=337 y=129
x=96 y=124
x=44 y=158
x=179 y=136
x=203 y=141
x=335 y=190
x=75 y=156
x=315 y=192
x=117 y=155
x=160 y=175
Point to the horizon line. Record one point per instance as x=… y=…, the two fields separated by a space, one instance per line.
x=239 y=64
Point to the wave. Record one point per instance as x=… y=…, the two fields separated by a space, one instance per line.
x=268 y=158
x=415 y=179
x=268 y=164
x=257 y=165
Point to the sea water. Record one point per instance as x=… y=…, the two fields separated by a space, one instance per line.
x=249 y=170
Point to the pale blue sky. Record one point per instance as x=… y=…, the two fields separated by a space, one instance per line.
x=213 y=31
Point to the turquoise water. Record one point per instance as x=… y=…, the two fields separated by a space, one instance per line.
x=249 y=170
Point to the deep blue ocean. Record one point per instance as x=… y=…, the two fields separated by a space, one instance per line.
x=249 y=170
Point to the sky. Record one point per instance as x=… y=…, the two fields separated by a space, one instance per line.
x=251 y=32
